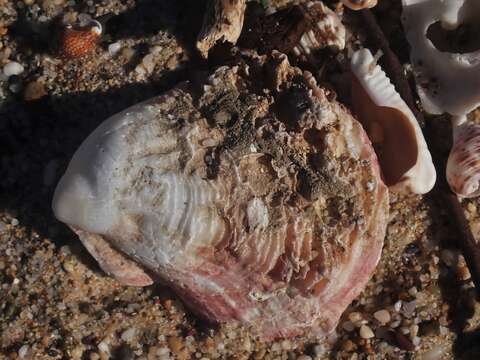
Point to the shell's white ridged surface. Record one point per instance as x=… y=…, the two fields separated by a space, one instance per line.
x=249 y=216
x=329 y=31
x=463 y=166
x=446 y=82
x=421 y=177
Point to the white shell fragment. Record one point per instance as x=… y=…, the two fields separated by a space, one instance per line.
x=463 y=166
x=328 y=32
x=393 y=129
x=446 y=82
x=281 y=239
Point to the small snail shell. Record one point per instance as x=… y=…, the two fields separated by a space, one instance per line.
x=463 y=166
x=359 y=4
x=77 y=42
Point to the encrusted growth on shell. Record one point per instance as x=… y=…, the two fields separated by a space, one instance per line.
x=463 y=166
x=403 y=153
x=264 y=207
x=326 y=30
x=446 y=81
x=359 y=4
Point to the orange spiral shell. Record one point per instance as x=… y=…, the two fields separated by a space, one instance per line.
x=78 y=42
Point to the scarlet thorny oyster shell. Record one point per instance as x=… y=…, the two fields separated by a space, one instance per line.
x=260 y=206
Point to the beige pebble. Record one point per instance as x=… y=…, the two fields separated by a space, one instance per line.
x=366 y=332
x=175 y=344
x=354 y=317
x=304 y=357
x=382 y=316
x=34 y=90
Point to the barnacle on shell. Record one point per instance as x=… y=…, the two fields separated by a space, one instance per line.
x=264 y=207
x=463 y=165
x=398 y=140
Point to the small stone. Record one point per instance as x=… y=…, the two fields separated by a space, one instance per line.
x=175 y=344
x=354 y=317
x=14 y=222
x=413 y=291
x=413 y=330
x=398 y=305
x=128 y=334
x=383 y=316
x=12 y=68
x=114 y=48
x=449 y=257
x=34 y=90
x=416 y=341
x=304 y=357
x=348 y=326
x=148 y=62
x=435 y=353
x=348 y=345
x=22 y=352
x=366 y=332
x=104 y=347
x=464 y=273
x=286 y=345
x=409 y=308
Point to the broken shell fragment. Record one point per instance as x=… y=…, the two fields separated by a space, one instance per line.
x=359 y=4
x=397 y=138
x=223 y=22
x=252 y=214
x=448 y=80
x=463 y=165
x=77 y=42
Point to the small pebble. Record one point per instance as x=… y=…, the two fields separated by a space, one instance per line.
x=114 y=48
x=22 y=352
x=348 y=326
x=449 y=257
x=409 y=308
x=34 y=90
x=366 y=332
x=104 y=347
x=12 y=68
x=383 y=316
x=435 y=353
x=128 y=334
x=398 y=305
x=304 y=357
x=14 y=222
x=354 y=317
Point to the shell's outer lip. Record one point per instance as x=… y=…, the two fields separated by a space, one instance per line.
x=457 y=76
x=421 y=177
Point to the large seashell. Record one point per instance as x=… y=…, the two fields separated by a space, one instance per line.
x=446 y=81
x=359 y=4
x=403 y=153
x=259 y=208
x=223 y=21
x=326 y=30
x=463 y=166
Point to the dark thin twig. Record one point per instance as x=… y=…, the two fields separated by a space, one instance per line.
x=466 y=240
